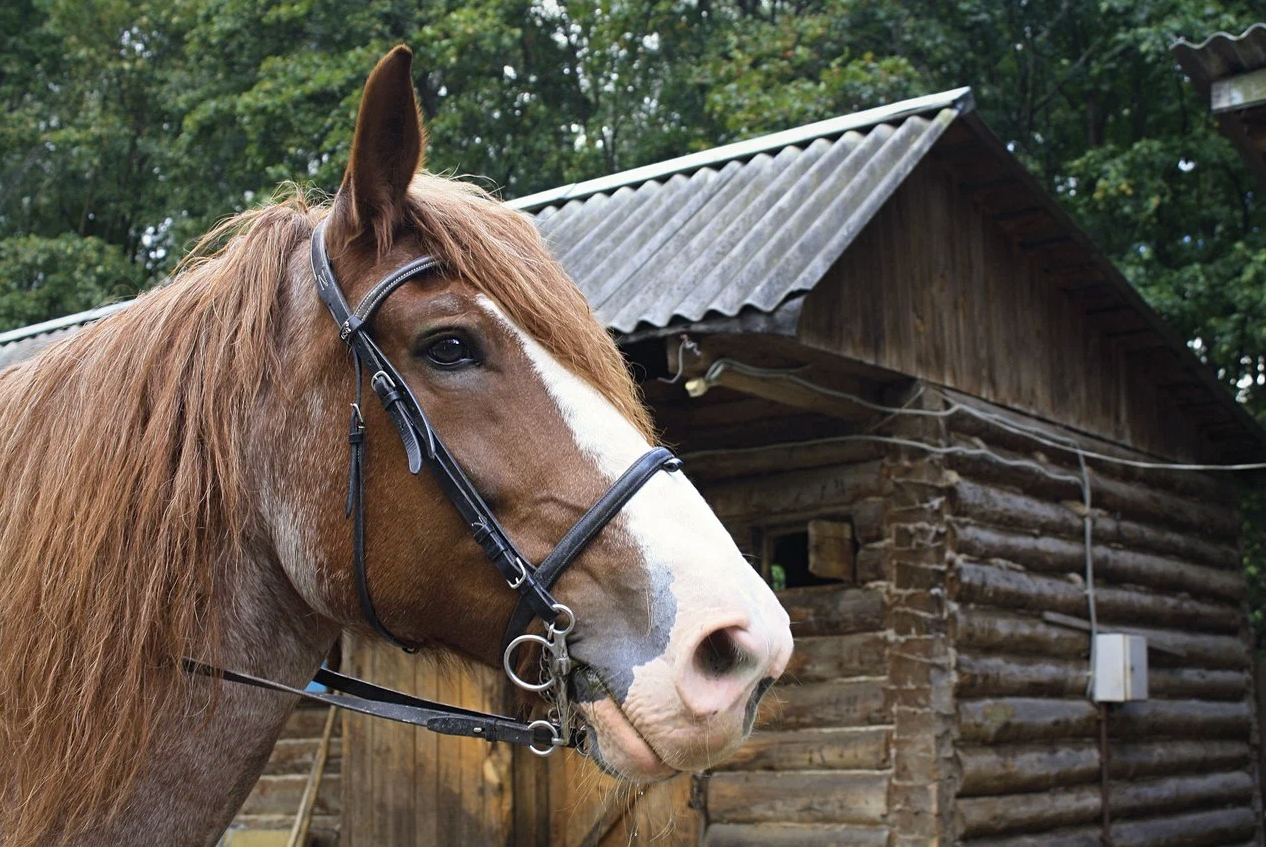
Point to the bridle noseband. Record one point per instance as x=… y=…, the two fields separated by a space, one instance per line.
x=424 y=448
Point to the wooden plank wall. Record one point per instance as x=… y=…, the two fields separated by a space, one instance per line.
x=1182 y=765
x=933 y=289
x=818 y=770
x=404 y=786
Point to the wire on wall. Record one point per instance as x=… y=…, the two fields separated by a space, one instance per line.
x=698 y=386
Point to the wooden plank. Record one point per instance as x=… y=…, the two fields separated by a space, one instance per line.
x=814 y=749
x=807 y=797
x=831 y=550
x=356 y=772
x=394 y=809
x=1237 y=92
x=426 y=763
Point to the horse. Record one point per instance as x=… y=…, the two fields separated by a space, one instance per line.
x=175 y=478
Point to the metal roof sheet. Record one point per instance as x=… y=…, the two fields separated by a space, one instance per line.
x=723 y=234
x=1221 y=55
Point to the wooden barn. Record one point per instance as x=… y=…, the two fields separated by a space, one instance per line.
x=901 y=375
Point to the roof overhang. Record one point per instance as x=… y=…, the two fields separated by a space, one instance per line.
x=1229 y=72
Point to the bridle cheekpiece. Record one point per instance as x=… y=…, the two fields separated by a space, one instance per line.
x=424 y=448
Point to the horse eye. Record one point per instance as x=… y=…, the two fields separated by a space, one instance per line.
x=450 y=352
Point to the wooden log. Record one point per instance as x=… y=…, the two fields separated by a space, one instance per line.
x=999 y=719
x=1133 y=760
x=1199 y=486
x=1010 y=769
x=1173 y=794
x=1180 y=718
x=989 y=629
x=1195 y=829
x=825 y=704
x=1019 y=676
x=1011 y=813
x=1052 y=809
x=1068 y=555
x=806 y=797
x=1014 y=768
x=1059 y=554
x=818 y=610
x=1198 y=683
x=796 y=492
x=988 y=584
x=1168 y=647
x=1130 y=499
x=818 y=658
x=1076 y=837
x=868 y=519
x=997 y=507
x=813 y=749
x=794 y=835
x=1110 y=529
x=710 y=466
x=1003 y=675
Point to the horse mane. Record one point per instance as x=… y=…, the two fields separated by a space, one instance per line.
x=127 y=496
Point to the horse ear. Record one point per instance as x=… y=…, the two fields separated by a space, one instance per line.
x=387 y=151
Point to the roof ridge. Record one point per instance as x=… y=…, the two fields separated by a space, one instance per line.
x=960 y=98
x=1219 y=36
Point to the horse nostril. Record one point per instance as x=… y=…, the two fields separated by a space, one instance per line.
x=719 y=654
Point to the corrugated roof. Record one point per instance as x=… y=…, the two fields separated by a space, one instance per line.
x=738 y=233
x=1221 y=55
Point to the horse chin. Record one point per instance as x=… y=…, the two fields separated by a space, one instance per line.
x=616 y=746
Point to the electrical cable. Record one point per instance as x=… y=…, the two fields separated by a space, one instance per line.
x=713 y=374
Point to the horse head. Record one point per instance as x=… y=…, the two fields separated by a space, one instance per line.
x=675 y=636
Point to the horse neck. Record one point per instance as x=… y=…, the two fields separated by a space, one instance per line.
x=202 y=769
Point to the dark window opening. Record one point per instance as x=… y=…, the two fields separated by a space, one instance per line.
x=787 y=555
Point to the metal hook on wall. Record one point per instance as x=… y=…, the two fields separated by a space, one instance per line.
x=688 y=345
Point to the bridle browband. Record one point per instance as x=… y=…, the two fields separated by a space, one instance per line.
x=424 y=448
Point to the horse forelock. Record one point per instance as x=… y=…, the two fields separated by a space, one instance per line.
x=128 y=487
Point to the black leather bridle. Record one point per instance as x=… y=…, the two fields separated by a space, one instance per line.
x=424 y=448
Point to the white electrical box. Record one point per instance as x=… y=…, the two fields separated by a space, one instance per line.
x=1120 y=671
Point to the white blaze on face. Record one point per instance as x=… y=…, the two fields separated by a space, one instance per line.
x=675 y=531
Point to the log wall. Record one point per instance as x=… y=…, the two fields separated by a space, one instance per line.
x=819 y=770
x=1181 y=765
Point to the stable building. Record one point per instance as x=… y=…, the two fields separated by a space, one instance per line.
x=905 y=381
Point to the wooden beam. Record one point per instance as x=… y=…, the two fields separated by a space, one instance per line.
x=1235 y=93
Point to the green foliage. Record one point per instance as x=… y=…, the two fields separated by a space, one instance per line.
x=41 y=277
x=131 y=126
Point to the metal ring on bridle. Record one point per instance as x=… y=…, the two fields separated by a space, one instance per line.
x=560 y=610
x=556 y=739
x=507 y=661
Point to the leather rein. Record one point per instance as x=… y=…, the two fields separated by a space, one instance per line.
x=424 y=449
